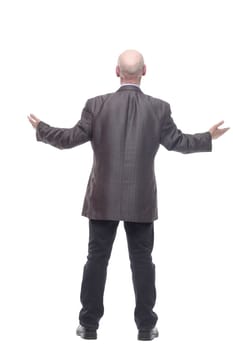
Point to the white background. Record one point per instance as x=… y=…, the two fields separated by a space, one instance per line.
x=54 y=56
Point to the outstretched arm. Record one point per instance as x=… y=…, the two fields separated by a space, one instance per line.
x=175 y=140
x=64 y=137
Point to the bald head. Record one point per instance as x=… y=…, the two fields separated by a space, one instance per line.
x=131 y=67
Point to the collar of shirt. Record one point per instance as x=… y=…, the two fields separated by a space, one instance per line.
x=130 y=84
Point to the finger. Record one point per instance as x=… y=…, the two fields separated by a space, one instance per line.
x=30 y=119
x=218 y=124
x=224 y=130
x=33 y=123
x=34 y=117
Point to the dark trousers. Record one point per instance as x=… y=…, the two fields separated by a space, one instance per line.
x=140 y=238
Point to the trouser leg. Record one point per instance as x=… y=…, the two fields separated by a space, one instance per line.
x=101 y=237
x=140 y=237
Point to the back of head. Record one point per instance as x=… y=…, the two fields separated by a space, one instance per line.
x=131 y=65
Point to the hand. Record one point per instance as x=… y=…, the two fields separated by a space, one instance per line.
x=33 y=120
x=216 y=132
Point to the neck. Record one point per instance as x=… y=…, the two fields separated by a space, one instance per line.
x=136 y=82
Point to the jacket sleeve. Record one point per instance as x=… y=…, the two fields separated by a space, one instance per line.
x=174 y=140
x=67 y=137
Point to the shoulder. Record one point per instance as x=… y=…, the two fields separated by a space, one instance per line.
x=161 y=106
x=156 y=100
x=94 y=104
x=98 y=100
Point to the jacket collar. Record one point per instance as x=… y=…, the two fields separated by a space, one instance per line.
x=129 y=88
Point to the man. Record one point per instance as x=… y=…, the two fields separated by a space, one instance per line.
x=125 y=129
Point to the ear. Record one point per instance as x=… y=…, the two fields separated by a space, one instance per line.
x=117 y=71
x=144 y=70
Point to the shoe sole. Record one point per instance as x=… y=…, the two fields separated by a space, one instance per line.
x=87 y=335
x=147 y=336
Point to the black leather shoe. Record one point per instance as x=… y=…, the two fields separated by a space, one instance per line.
x=86 y=333
x=148 y=334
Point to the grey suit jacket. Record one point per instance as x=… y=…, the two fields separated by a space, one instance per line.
x=126 y=129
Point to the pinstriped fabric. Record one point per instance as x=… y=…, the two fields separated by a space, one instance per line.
x=126 y=129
